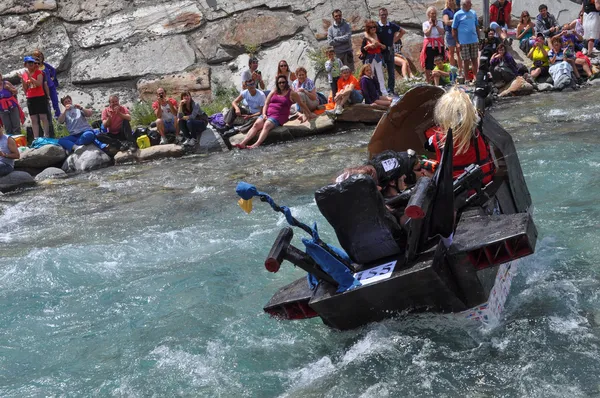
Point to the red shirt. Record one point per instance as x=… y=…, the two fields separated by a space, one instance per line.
x=116 y=121
x=33 y=92
x=495 y=14
x=341 y=83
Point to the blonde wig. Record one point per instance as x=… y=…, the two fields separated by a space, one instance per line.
x=454 y=110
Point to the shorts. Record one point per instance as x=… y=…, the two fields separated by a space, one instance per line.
x=170 y=126
x=591 y=25
x=272 y=120
x=450 y=41
x=469 y=51
x=356 y=97
x=430 y=54
x=37 y=105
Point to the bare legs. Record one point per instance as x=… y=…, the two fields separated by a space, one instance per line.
x=455 y=62
x=35 y=126
x=404 y=66
x=160 y=126
x=584 y=65
x=260 y=125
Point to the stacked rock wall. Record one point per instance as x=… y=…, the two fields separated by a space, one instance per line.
x=131 y=47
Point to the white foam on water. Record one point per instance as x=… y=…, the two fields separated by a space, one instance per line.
x=203 y=189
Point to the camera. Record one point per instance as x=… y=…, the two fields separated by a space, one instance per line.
x=161 y=95
x=258 y=72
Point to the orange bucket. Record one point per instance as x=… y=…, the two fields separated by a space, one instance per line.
x=20 y=139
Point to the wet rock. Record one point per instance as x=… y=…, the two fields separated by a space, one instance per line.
x=222 y=42
x=50 y=173
x=15 y=180
x=25 y=6
x=156 y=20
x=39 y=158
x=80 y=11
x=86 y=158
x=320 y=19
x=210 y=141
x=159 y=152
x=197 y=81
x=133 y=60
x=361 y=113
x=518 y=87
x=123 y=157
x=51 y=39
x=16 y=25
x=544 y=87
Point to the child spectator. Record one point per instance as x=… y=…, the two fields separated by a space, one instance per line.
x=333 y=65
x=441 y=71
x=370 y=89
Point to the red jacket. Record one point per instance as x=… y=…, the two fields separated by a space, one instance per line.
x=495 y=11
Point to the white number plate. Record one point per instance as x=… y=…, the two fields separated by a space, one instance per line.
x=375 y=274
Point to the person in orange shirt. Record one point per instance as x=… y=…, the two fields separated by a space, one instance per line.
x=348 y=90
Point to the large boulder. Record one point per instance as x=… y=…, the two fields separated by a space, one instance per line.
x=40 y=158
x=353 y=11
x=154 y=20
x=80 y=11
x=16 y=25
x=292 y=130
x=132 y=60
x=361 y=113
x=519 y=86
x=160 y=152
x=52 y=39
x=218 y=42
x=25 y=6
x=218 y=9
x=15 y=180
x=197 y=81
x=50 y=173
x=86 y=158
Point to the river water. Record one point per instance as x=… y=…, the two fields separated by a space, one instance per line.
x=147 y=280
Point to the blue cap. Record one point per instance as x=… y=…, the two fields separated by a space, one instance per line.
x=30 y=59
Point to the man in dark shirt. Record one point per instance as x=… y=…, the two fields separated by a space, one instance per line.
x=388 y=33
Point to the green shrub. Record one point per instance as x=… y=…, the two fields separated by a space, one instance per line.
x=221 y=98
x=317 y=59
x=60 y=130
x=142 y=114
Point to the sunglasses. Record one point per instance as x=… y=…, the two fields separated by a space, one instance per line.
x=282 y=82
x=282 y=65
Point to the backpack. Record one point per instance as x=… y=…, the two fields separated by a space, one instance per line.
x=154 y=137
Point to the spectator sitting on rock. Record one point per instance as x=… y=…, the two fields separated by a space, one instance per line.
x=339 y=36
x=252 y=73
x=37 y=104
x=51 y=80
x=539 y=55
x=8 y=153
x=574 y=31
x=192 y=119
x=306 y=89
x=558 y=55
x=165 y=110
x=525 y=31
x=504 y=67
x=545 y=23
x=500 y=17
x=441 y=71
x=10 y=113
x=283 y=68
x=349 y=90
x=80 y=131
x=370 y=89
x=254 y=99
x=116 y=120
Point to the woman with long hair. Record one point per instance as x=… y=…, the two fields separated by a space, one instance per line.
x=447 y=18
x=283 y=68
x=525 y=30
x=454 y=110
x=37 y=104
x=10 y=112
x=372 y=48
x=276 y=112
x=433 y=41
x=370 y=89
x=192 y=119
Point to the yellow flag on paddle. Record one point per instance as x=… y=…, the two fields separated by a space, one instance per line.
x=246 y=205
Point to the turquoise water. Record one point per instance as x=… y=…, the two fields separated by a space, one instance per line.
x=147 y=280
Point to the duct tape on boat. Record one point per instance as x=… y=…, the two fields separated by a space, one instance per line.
x=375 y=274
x=390 y=164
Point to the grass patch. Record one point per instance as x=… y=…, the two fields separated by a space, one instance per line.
x=221 y=98
x=142 y=114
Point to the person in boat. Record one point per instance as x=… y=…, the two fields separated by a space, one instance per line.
x=454 y=110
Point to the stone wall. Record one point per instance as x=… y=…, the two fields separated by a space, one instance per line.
x=131 y=47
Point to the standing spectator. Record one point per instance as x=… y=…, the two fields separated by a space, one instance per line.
x=545 y=23
x=525 y=30
x=466 y=33
x=51 y=80
x=192 y=119
x=37 y=104
x=447 y=18
x=370 y=89
x=333 y=65
x=254 y=99
x=80 y=131
x=339 y=36
x=389 y=33
x=10 y=113
x=500 y=17
x=8 y=153
x=372 y=48
x=116 y=120
x=252 y=73
x=591 y=24
x=348 y=90
x=165 y=110
x=306 y=89
x=276 y=112
x=283 y=68
x=433 y=42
